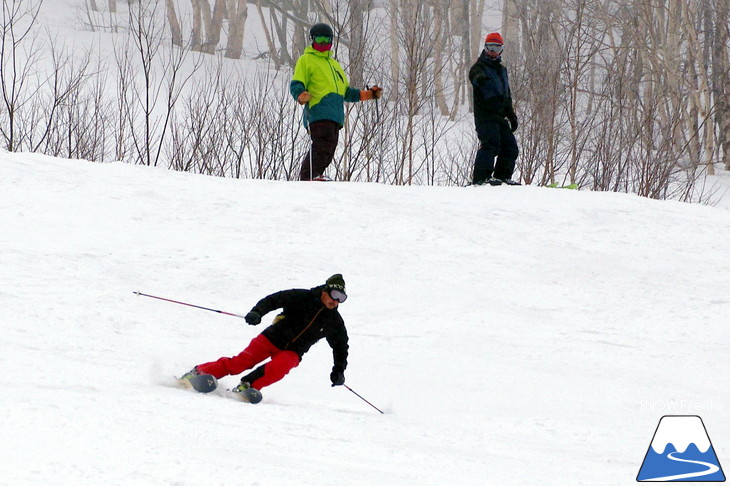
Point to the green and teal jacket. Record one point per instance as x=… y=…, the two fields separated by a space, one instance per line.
x=321 y=75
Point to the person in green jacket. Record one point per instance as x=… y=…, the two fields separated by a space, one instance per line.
x=320 y=84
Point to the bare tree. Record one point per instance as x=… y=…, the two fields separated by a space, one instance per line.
x=538 y=91
x=213 y=23
x=394 y=47
x=607 y=95
x=161 y=80
x=273 y=52
x=174 y=23
x=237 y=15
x=721 y=74
x=64 y=82
x=441 y=20
x=358 y=34
x=416 y=30
x=197 y=31
x=19 y=53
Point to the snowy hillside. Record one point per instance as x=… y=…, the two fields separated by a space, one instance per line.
x=513 y=336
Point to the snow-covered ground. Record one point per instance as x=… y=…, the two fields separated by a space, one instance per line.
x=512 y=335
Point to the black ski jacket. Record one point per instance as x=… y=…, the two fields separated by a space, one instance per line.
x=492 y=94
x=304 y=320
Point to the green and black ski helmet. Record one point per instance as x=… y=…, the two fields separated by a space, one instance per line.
x=321 y=30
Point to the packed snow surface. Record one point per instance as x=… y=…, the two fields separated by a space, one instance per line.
x=511 y=335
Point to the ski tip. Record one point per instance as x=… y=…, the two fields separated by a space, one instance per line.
x=200 y=383
x=249 y=395
x=254 y=396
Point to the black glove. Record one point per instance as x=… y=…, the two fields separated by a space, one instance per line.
x=253 y=318
x=337 y=378
x=513 y=123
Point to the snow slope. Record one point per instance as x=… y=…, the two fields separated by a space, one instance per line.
x=513 y=336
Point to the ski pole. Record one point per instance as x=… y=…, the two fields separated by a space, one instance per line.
x=380 y=135
x=377 y=111
x=308 y=117
x=190 y=305
x=377 y=107
x=361 y=398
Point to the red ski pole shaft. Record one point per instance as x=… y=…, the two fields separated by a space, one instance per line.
x=190 y=305
x=361 y=398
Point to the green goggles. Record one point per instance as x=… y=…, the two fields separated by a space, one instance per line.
x=322 y=39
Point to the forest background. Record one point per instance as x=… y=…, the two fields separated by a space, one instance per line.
x=629 y=96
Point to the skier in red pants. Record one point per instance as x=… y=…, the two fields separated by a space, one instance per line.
x=307 y=316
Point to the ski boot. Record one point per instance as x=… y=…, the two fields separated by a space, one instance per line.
x=246 y=393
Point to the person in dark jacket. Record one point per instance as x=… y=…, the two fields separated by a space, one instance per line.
x=320 y=84
x=494 y=116
x=307 y=316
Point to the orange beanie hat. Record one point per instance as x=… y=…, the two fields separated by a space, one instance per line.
x=494 y=38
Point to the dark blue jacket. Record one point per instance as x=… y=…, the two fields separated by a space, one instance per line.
x=492 y=95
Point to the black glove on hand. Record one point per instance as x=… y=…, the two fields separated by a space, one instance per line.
x=513 y=123
x=337 y=378
x=253 y=318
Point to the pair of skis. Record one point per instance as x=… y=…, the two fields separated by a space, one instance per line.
x=208 y=383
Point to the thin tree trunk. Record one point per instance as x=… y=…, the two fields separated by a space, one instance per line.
x=438 y=57
x=466 y=22
x=699 y=90
x=174 y=23
x=725 y=126
x=394 y=47
x=476 y=39
x=237 y=15
x=721 y=63
x=213 y=23
x=272 y=48
x=357 y=49
x=196 y=35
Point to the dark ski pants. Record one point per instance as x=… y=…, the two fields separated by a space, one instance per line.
x=258 y=350
x=325 y=134
x=497 y=140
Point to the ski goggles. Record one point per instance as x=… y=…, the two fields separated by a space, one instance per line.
x=337 y=295
x=493 y=47
x=322 y=39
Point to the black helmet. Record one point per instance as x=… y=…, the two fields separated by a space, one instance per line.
x=321 y=30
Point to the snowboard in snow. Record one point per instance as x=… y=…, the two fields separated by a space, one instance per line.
x=200 y=383
x=555 y=185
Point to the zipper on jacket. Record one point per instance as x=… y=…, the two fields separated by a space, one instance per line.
x=335 y=75
x=308 y=326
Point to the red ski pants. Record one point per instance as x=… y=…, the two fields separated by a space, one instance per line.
x=258 y=350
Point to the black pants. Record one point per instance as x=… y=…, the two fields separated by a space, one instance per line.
x=496 y=141
x=325 y=135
